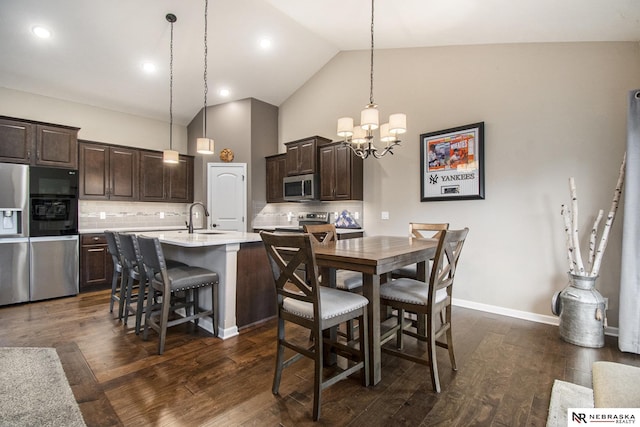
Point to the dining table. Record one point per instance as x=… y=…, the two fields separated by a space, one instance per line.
x=375 y=257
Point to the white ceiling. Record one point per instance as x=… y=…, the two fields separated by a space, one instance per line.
x=97 y=48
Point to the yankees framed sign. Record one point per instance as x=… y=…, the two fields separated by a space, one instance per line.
x=452 y=164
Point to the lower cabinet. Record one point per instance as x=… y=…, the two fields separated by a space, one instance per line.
x=96 y=265
x=255 y=290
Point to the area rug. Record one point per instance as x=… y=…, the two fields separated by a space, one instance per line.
x=34 y=390
x=566 y=395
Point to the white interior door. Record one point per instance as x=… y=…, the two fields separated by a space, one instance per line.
x=227 y=196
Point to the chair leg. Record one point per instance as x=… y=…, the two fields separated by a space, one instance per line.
x=151 y=299
x=164 y=319
x=400 y=333
x=114 y=290
x=214 y=308
x=363 y=341
x=123 y=292
x=279 y=358
x=317 y=376
x=140 y=305
x=431 y=350
x=127 y=300
x=452 y=357
x=196 y=306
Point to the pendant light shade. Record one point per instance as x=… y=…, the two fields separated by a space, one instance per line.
x=205 y=145
x=170 y=156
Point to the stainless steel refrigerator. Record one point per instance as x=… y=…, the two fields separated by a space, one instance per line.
x=14 y=233
x=42 y=262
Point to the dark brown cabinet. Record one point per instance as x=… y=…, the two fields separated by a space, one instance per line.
x=160 y=182
x=96 y=265
x=276 y=171
x=302 y=155
x=255 y=290
x=341 y=173
x=108 y=172
x=38 y=144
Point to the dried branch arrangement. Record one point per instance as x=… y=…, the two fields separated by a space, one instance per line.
x=596 y=245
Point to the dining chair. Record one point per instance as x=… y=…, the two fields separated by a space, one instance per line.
x=428 y=299
x=116 y=279
x=173 y=288
x=346 y=280
x=419 y=230
x=303 y=301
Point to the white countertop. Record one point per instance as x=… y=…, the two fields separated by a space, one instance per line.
x=292 y=227
x=201 y=238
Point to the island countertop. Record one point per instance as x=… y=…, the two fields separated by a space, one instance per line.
x=201 y=238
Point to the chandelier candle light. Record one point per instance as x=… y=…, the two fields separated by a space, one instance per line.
x=360 y=138
x=205 y=145
x=170 y=155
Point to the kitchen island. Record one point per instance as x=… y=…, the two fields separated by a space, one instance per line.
x=217 y=251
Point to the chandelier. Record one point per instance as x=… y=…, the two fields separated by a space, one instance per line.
x=170 y=155
x=205 y=145
x=360 y=138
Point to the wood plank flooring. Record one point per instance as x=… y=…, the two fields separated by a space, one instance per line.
x=506 y=368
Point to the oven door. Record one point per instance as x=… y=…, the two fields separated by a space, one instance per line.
x=53 y=216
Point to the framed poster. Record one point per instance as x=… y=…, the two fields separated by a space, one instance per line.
x=452 y=164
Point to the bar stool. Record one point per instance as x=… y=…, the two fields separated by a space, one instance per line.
x=113 y=243
x=165 y=286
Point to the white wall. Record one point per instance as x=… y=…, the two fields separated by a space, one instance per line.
x=96 y=124
x=551 y=111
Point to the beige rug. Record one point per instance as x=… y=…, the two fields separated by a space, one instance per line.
x=566 y=395
x=34 y=390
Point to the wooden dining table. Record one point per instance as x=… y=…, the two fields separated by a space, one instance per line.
x=375 y=257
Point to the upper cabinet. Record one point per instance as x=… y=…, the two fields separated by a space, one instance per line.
x=162 y=182
x=108 y=172
x=111 y=172
x=276 y=171
x=38 y=144
x=302 y=155
x=341 y=173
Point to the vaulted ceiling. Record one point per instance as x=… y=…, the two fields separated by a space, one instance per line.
x=96 y=49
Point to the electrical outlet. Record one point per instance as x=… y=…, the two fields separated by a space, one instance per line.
x=103 y=215
x=385 y=215
x=356 y=215
x=161 y=215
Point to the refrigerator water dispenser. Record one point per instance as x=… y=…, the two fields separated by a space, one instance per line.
x=10 y=222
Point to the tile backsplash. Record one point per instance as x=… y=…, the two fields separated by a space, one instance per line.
x=117 y=215
x=284 y=214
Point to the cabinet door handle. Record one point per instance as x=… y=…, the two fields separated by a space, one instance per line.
x=28 y=154
x=95 y=239
x=95 y=250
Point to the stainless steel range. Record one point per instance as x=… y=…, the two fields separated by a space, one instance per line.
x=306 y=218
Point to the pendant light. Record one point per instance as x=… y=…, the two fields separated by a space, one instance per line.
x=170 y=155
x=360 y=138
x=205 y=145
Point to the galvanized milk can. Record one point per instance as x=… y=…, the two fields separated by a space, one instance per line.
x=582 y=312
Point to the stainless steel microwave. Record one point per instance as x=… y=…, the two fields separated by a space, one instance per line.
x=300 y=188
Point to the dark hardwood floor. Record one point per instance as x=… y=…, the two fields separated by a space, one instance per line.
x=506 y=368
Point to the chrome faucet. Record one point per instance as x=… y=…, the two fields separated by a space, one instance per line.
x=206 y=214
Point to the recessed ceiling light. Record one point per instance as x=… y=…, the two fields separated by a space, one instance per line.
x=265 y=43
x=224 y=92
x=41 y=32
x=148 y=67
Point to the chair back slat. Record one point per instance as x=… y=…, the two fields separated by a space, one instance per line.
x=427 y=230
x=113 y=245
x=151 y=254
x=445 y=262
x=286 y=254
x=321 y=233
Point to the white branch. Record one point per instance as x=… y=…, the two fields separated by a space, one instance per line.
x=612 y=214
x=592 y=238
x=567 y=229
x=577 y=256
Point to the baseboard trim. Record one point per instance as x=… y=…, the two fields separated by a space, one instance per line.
x=518 y=314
